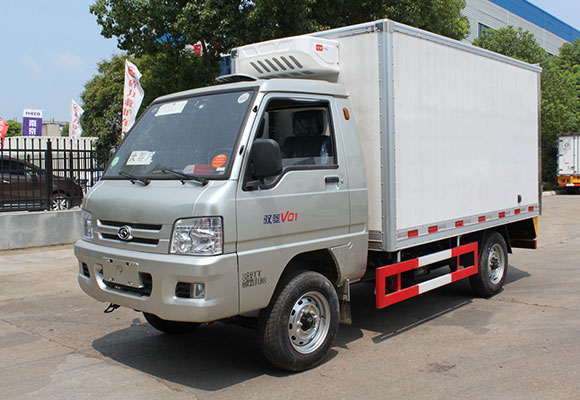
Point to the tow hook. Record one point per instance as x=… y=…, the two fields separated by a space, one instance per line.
x=112 y=307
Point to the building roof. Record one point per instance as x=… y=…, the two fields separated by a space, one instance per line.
x=539 y=17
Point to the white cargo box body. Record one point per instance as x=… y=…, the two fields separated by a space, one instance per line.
x=569 y=155
x=450 y=132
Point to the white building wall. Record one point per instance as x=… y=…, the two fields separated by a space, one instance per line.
x=491 y=15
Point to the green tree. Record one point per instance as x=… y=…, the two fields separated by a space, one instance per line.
x=226 y=24
x=14 y=128
x=439 y=16
x=569 y=56
x=514 y=43
x=165 y=73
x=103 y=103
x=568 y=61
x=560 y=103
x=64 y=130
x=156 y=33
x=166 y=26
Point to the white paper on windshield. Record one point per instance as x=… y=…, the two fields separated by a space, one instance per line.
x=171 y=108
x=140 y=157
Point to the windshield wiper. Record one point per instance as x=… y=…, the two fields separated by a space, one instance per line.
x=186 y=177
x=134 y=178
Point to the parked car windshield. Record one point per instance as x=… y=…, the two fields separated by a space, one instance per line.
x=194 y=136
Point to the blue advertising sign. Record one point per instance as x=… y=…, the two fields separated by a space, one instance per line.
x=31 y=122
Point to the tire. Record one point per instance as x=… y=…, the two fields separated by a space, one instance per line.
x=493 y=266
x=60 y=201
x=171 y=327
x=299 y=325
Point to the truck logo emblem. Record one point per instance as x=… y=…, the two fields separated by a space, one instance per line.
x=125 y=233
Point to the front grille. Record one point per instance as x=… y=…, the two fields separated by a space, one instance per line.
x=134 y=240
x=141 y=233
x=117 y=224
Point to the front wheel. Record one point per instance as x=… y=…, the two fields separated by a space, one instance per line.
x=493 y=265
x=299 y=325
x=60 y=201
x=171 y=327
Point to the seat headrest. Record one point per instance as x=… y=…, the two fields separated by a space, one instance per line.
x=308 y=123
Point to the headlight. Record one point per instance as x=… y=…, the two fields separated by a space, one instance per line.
x=88 y=227
x=197 y=236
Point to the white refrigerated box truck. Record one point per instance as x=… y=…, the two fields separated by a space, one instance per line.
x=371 y=152
x=569 y=162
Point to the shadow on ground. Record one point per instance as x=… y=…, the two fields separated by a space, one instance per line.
x=221 y=355
x=213 y=357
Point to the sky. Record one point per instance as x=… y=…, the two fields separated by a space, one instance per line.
x=50 y=49
x=565 y=10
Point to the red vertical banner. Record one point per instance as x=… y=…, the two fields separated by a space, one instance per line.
x=132 y=96
x=74 y=127
x=3 y=131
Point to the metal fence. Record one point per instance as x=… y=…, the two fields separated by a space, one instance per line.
x=47 y=173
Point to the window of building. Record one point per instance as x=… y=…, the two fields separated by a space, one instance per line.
x=481 y=28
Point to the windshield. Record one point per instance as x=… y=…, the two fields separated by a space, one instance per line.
x=194 y=136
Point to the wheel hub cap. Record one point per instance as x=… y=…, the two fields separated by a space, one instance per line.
x=308 y=323
x=496 y=264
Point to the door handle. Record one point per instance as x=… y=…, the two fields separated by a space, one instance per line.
x=331 y=179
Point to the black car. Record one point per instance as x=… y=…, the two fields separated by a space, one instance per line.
x=23 y=186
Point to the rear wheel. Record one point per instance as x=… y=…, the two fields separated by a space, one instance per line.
x=298 y=327
x=172 y=327
x=493 y=265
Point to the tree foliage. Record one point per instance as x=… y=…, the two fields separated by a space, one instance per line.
x=14 y=128
x=514 y=43
x=560 y=104
x=64 y=130
x=568 y=62
x=103 y=102
x=149 y=27
x=560 y=86
x=156 y=34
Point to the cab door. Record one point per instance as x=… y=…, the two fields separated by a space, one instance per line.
x=305 y=208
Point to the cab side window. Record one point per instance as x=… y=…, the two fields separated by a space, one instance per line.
x=303 y=130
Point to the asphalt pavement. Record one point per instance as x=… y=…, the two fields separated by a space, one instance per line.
x=524 y=343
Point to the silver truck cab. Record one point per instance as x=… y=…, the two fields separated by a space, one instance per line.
x=219 y=197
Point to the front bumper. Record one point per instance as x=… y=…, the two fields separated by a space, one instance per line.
x=218 y=273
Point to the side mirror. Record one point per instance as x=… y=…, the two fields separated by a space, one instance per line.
x=265 y=159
